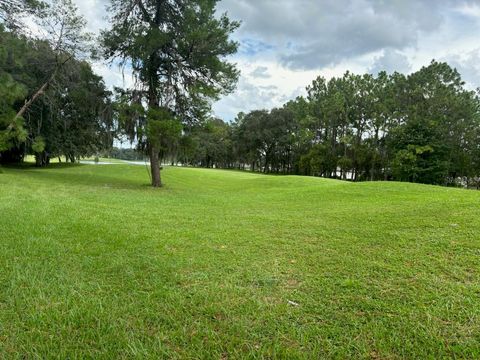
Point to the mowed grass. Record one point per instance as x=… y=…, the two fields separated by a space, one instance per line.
x=225 y=264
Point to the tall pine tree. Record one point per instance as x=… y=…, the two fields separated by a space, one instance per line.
x=176 y=49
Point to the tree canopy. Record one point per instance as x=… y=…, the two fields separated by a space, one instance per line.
x=52 y=102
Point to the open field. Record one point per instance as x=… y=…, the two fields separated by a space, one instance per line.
x=223 y=264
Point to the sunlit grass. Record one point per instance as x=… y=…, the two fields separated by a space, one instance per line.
x=223 y=264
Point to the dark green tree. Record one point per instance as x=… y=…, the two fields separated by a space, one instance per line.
x=176 y=49
x=72 y=117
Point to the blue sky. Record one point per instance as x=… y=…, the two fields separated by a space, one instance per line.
x=285 y=44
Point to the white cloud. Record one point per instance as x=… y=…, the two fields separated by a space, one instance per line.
x=469 y=9
x=260 y=72
x=285 y=44
x=390 y=61
x=113 y=75
x=468 y=65
x=310 y=34
x=95 y=12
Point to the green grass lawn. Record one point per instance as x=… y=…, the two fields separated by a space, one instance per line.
x=224 y=264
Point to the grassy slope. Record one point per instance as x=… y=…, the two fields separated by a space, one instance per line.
x=94 y=263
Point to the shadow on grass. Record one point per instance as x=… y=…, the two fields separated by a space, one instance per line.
x=30 y=165
x=84 y=175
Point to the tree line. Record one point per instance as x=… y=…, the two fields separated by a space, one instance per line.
x=422 y=127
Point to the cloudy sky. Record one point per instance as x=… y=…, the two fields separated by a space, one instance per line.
x=285 y=44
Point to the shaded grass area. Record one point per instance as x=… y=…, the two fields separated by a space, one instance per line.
x=222 y=264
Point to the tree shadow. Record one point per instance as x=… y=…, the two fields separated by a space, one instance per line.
x=59 y=174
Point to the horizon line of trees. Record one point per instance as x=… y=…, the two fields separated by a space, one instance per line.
x=423 y=127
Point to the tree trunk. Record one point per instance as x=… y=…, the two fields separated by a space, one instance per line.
x=38 y=159
x=155 y=167
x=40 y=91
x=374 y=160
x=42 y=159
x=35 y=96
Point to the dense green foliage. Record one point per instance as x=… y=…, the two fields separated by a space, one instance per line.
x=72 y=117
x=11 y=132
x=424 y=127
x=228 y=264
